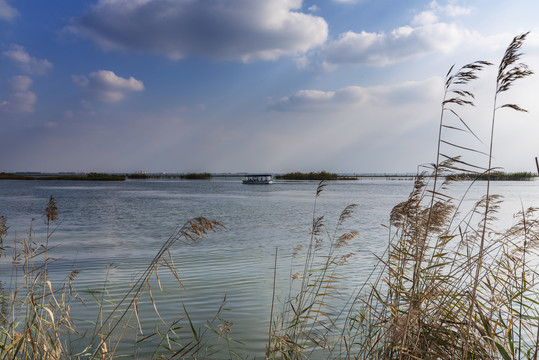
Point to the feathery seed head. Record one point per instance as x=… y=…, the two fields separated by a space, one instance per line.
x=3 y=226
x=51 y=211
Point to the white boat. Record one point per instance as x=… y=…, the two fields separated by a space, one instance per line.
x=258 y=179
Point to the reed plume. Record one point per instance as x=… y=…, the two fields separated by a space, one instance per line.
x=452 y=286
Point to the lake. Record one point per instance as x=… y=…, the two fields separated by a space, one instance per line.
x=110 y=231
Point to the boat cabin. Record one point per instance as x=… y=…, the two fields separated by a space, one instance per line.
x=258 y=179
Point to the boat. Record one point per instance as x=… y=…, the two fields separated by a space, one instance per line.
x=257 y=179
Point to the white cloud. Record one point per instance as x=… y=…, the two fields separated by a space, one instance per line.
x=426 y=33
x=425 y=18
x=305 y=100
x=19 y=83
x=451 y=9
x=223 y=30
x=436 y=11
x=25 y=62
x=381 y=49
x=352 y=97
x=313 y=8
x=106 y=86
x=6 y=11
x=20 y=99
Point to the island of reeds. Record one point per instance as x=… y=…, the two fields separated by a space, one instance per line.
x=77 y=177
x=188 y=176
x=494 y=176
x=321 y=175
x=101 y=176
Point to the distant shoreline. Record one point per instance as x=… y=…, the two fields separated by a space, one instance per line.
x=295 y=176
x=75 y=177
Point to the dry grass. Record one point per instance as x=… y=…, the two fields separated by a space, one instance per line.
x=38 y=312
x=450 y=285
x=454 y=289
x=38 y=323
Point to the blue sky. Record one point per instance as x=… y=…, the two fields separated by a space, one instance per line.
x=249 y=85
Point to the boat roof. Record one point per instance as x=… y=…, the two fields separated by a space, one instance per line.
x=254 y=175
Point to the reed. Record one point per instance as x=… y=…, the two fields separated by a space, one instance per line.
x=321 y=175
x=308 y=320
x=495 y=176
x=37 y=313
x=189 y=176
x=37 y=321
x=450 y=285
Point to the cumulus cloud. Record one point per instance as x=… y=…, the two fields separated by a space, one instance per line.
x=222 y=30
x=106 y=86
x=353 y=97
x=451 y=9
x=25 y=62
x=436 y=10
x=20 y=98
x=425 y=18
x=19 y=83
x=6 y=11
x=425 y=34
x=318 y=100
x=381 y=49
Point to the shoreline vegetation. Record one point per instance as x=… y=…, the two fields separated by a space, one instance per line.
x=190 y=176
x=69 y=176
x=293 y=176
x=494 y=176
x=450 y=285
x=322 y=175
x=100 y=176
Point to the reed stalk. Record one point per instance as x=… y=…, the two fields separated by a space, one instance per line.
x=508 y=73
x=40 y=328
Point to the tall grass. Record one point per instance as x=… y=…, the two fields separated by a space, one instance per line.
x=39 y=325
x=451 y=285
x=308 y=318
x=38 y=312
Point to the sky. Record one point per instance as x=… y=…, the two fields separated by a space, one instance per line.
x=348 y=86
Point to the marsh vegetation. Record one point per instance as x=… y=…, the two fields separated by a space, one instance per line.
x=74 y=177
x=189 y=176
x=495 y=176
x=321 y=175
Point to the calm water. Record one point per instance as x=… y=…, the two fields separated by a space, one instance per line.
x=112 y=231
